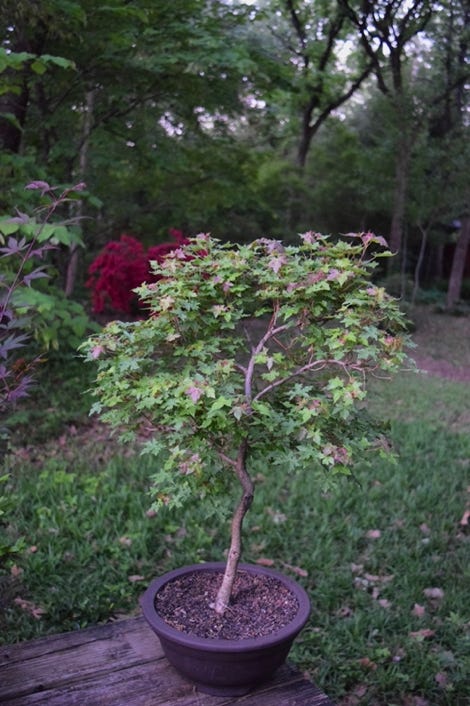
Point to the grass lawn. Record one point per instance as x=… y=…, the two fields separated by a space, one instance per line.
x=385 y=557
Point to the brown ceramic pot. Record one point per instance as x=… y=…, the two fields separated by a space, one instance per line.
x=219 y=666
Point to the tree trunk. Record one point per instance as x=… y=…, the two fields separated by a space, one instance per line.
x=458 y=264
x=72 y=265
x=399 y=200
x=225 y=591
x=419 y=264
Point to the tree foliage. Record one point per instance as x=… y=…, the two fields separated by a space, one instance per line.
x=250 y=356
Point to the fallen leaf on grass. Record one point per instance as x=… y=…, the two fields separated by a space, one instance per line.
x=376 y=578
x=441 y=678
x=373 y=534
x=136 y=577
x=297 y=570
x=355 y=696
x=434 y=593
x=16 y=571
x=29 y=607
x=464 y=522
x=399 y=655
x=423 y=634
x=344 y=612
x=418 y=610
x=368 y=663
x=424 y=528
x=263 y=561
x=277 y=517
x=357 y=568
x=384 y=603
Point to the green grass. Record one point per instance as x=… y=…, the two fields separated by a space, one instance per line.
x=80 y=504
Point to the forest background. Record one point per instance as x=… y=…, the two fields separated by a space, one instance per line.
x=245 y=120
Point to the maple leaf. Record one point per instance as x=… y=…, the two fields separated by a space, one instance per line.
x=36 y=611
x=418 y=610
x=423 y=634
x=296 y=570
x=368 y=663
x=384 y=603
x=434 y=593
x=441 y=678
x=194 y=392
x=373 y=534
x=263 y=561
x=465 y=518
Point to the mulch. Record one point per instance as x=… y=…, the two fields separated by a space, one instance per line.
x=260 y=605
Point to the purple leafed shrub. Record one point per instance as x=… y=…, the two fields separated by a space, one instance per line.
x=19 y=269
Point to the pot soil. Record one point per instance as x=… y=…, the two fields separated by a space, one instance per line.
x=226 y=655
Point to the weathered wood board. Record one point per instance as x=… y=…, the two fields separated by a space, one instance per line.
x=122 y=664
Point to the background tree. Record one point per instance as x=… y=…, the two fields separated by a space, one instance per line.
x=386 y=30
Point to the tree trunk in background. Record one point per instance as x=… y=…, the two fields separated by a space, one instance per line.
x=458 y=264
x=399 y=202
x=72 y=265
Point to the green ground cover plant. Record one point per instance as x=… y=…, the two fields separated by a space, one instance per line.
x=385 y=557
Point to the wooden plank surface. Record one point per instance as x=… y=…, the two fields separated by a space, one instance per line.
x=122 y=664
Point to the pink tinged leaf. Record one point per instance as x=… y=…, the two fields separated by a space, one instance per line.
x=418 y=610
x=442 y=679
x=297 y=570
x=195 y=393
x=309 y=237
x=276 y=263
x=384 y=603
x=465 y=518
x=373 y=534
x=424 y=528
x=96 y=351
x=263 y=561
x=434 y=593
x=333 y=275
x=34 y=610
x=424 y=634
x=381 y=241
x=42 y=185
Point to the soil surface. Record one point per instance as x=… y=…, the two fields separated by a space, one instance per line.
x=261 y=605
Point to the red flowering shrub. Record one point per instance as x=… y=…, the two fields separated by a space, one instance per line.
x=123 y=265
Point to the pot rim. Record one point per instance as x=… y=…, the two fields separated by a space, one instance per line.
x=209 y=644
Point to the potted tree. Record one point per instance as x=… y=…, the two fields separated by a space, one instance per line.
x=251 y=355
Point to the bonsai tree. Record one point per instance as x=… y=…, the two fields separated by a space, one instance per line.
x=251 y=354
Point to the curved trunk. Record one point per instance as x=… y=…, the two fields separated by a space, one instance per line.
x=225 y=591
